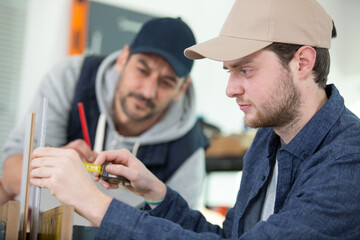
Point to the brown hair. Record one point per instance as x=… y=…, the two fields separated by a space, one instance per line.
x=321 y=69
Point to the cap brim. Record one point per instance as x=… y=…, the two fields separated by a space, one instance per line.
x=224 y=48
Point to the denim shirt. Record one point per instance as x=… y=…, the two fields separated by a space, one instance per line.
x=317 y=195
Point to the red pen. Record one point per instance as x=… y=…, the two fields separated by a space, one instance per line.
x=84 y=123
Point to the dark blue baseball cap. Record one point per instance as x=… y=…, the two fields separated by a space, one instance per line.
x=168 y=38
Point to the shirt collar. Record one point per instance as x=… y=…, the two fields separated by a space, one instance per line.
x=305 y=143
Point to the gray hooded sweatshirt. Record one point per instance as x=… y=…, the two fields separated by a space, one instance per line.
x=59 y=86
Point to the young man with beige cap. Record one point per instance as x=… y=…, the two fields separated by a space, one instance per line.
x=301 y=173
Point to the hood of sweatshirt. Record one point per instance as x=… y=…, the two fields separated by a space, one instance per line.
x=178 y=120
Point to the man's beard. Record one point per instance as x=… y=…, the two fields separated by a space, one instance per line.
x=282 y=107
x=133 y=116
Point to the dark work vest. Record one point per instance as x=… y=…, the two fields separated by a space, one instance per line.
x=162 y=159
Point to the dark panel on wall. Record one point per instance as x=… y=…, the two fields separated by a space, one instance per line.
x=111 y=27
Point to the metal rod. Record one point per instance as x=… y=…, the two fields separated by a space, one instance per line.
x=35 y=213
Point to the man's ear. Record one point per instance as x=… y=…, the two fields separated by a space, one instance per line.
x=305 y=58
x=122 y=59
x=183 y=88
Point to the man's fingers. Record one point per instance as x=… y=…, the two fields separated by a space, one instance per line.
x=123 y=171
x=53 y=152
x=45 y=151
x=39 y=182
x=116 y=156
x=81 y=147
x=44 y=162
x=42 y=172
x=108 y=185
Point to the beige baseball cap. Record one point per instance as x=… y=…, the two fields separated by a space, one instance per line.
x=254 y=24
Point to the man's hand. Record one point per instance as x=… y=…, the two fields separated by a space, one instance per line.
x=11 y=176
x=4 y=195
x=142 y=181
x=62 y=172
x=84 y=151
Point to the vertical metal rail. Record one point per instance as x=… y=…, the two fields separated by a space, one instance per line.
x=35 y=212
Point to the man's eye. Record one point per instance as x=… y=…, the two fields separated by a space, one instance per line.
x=142 y=71
x=167 y=84
x=245 y=71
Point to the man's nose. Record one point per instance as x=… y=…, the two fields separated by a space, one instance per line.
x=150 y=87
x=234 y=87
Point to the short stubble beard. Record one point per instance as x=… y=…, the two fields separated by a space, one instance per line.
x=282 y=107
